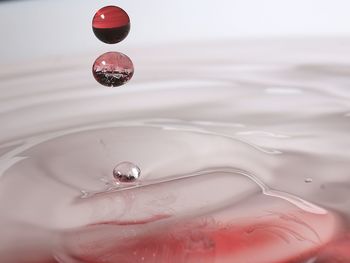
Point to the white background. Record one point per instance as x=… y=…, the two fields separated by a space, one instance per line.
x=39 y=28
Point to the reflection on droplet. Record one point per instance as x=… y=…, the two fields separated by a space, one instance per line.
x=126 y=172
x=113 y=69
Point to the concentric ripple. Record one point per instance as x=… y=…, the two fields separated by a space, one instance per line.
x=240 y=157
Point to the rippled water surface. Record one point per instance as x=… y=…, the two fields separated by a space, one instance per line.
x=243 y=148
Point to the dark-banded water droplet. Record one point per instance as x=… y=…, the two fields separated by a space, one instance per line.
x=111 y=24
x=113 y=69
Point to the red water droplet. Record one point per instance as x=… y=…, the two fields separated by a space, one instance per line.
x=111 y=24
x=113 y=69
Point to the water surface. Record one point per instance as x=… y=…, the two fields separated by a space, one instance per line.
x=243 y=148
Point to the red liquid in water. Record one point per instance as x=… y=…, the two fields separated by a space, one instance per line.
x=227 y=242
x=111 y=24
x=205 y=245
x=277 y=238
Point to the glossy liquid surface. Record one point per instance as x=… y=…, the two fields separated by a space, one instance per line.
x=243 y=148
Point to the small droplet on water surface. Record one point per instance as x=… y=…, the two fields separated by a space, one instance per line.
x=113 y=69
x=111 y=24
x=126 y=172
x=308 y=180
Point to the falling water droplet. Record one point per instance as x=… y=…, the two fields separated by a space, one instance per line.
x=308 y=180
x=111 y=24
x=126 y=172
x=113 y=69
